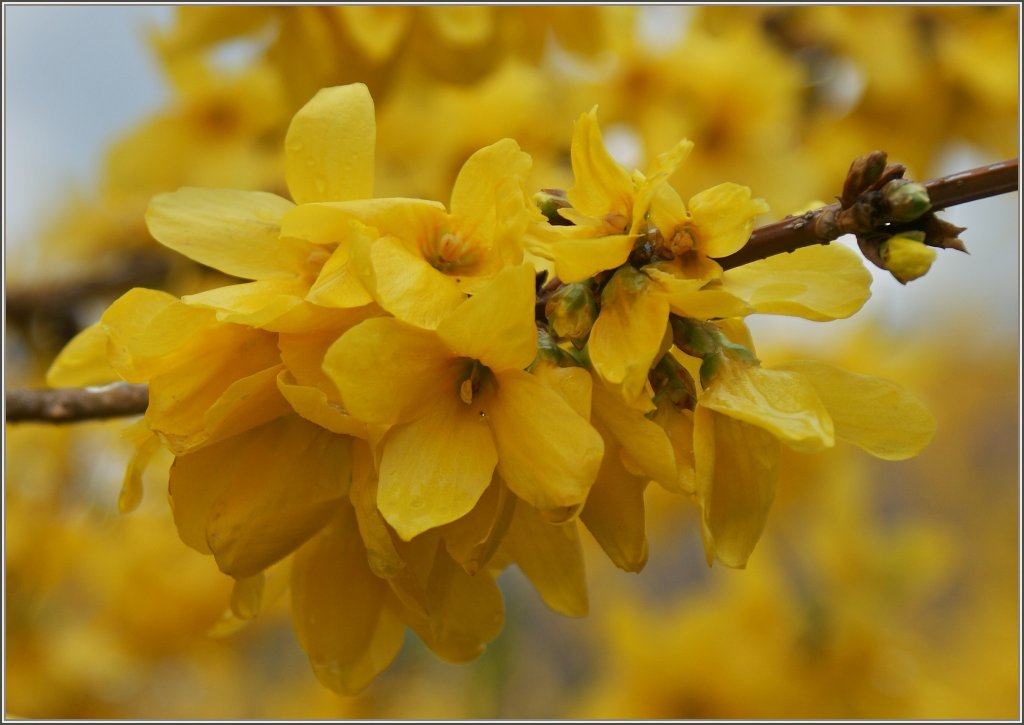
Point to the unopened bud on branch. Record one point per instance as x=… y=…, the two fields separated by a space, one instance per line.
x=571 y=311
x=906 y=256
x=907 y=200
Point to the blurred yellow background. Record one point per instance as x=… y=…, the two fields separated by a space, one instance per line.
x=880 y=589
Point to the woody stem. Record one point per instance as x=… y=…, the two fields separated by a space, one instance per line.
x=70 y=405
x=792 y=233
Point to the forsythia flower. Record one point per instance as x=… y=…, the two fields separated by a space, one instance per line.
x=461 y=407
x=744 y=411
x=381 y=419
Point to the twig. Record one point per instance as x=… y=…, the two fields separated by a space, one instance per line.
x=793 y=233
x=70 y=405
x=57 y=302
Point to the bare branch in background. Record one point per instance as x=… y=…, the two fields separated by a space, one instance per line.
x=70 y=405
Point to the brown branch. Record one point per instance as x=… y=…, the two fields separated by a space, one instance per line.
x=70 y=405
x=792 y=233
x=56 y=303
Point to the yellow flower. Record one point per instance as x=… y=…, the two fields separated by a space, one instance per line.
x=422 y=260
x=609 y=206
x=744 y=411
x=208 y=380
x=618 y=216
x=328 y=157
x=637 y=451
x=462 y=408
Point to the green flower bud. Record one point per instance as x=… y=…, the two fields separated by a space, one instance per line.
x=572 y=310
x=906 y=256
x=549 y=201
x=672 y=384
x=709 y=368
x=907 y=200
x=692 y=337
x=548 y=350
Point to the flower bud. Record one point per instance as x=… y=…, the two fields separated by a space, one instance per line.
x=548 y=351
x=549 y=201
x=572 y=310
x=864 y=171
x=672 y=384
x=907 y=200
x=906 y=256
x=692 y=336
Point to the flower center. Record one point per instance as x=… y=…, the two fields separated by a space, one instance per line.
x=450 y=251
x=473 y=381
x=683 y=240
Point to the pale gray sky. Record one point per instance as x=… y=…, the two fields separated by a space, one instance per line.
x=74 y=77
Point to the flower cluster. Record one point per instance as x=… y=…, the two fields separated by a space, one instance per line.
x=405 y=397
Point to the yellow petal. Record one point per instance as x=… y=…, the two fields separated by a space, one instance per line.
x=704 y=452
x=628 y=334
x=303 y=352
x=337 y=284
x=251 y=596
x=575 y=385
x=482 y=177
x=313 y=405
x=329 y=146
x=497 y=326
x=133 y=336
x=83 y=361
x=578 y=254
x=405 y=284
x=645 y=448
x=651 y=184
x=254 y=498
x=817 y=283
x=331 y=222
x=696 y=298
x=434 y=469
x=667 y=210
x=381 y=552
x=724 y=216
x=602 y=186
x=388 y=371
x=229 y=389
x=907 y=257
x=875 y=414
x=547 y=454
x=614 y=514
x=551 y=557
x=464 y=612
x=344 y=616
x=736 y=503
x=785 y=404
x=473 y=539
x=736 y=330
x=247 y=596
x=236 y=232
x=256 y=304
x=146 y=446
x=678 y=426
